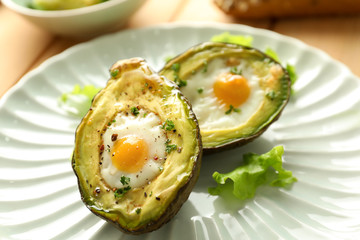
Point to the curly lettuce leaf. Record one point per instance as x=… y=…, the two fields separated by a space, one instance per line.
x=78 y=101
x=226 y=37
x=257 y=170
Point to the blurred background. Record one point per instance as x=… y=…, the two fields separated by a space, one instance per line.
x=334 y=29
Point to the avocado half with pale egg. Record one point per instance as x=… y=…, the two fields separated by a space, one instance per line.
x=138 y=149
x=236 y=92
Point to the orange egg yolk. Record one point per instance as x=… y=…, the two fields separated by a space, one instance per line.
x=231 y=89
x=129 y=154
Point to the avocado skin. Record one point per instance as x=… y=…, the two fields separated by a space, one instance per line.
x=201 y=48
x=182 y=193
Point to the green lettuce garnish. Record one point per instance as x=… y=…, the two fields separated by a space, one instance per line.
x=257 y=170
x=270 y=52
x=226 y=37
x=78 y=101
x=289 y=68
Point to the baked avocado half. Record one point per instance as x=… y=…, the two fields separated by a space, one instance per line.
x=138 y=149
x=236 y=91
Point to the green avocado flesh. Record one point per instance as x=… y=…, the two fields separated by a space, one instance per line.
x=222 y=124
x=63 y=4
x=134 y=87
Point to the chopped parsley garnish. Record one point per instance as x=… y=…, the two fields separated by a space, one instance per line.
x=271 y=95
x=169 y=147
x=236 y=71
x=182 y=83
x=138 y=210
x=124 y=180
x=114 y=72
x=179 y=81
x=134 y=111
x=205 y=63
x=175 y=67
x=232 y=109
x=168 y=125
x=200 y=90
x=161 y=168
x=120 y=192
x=145 y=114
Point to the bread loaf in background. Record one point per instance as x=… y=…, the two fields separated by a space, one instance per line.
x=287 y=8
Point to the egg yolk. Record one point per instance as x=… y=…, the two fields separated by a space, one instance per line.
x=231 y=89
x=129 y=154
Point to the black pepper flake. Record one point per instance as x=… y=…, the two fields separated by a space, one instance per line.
x=179 y=135
x=97 y=190
x=90 y=186
x=157 y=198
x=108 y=190
x=145 y=194
x=114 y=137
x=179 y=149
x=174 y=131
x=100 y=163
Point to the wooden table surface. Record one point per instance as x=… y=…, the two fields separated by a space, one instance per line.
x=23 y=46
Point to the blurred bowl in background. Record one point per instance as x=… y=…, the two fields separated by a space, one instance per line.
x=80 y=22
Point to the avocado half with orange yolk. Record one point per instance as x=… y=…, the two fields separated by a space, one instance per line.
x=138 y=149
x=236 y=92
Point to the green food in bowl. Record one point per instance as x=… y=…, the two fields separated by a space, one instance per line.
x=62 y=4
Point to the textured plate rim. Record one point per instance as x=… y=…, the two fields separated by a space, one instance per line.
x=167 y=26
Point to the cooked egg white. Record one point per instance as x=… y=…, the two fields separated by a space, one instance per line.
x=134 y=148
x=211 y=93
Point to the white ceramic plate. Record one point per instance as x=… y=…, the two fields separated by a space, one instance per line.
x=320 y=130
